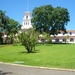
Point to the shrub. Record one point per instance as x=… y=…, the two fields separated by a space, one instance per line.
x=29 y=39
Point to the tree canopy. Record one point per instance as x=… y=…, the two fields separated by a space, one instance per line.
x=50 y=19
x=13 y=26
x=8 y=26
x=4 y=21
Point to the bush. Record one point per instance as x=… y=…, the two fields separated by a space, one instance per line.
x=29 y=39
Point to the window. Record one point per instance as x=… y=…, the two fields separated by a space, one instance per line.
x=64 y=40
x=26 y=17
x=70 y=33
x=26 y=23
x=71 y=39
x=57 y=40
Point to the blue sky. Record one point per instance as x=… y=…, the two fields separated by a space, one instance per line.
x=15 y=8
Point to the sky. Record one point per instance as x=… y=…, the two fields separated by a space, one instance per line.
x=15 y=8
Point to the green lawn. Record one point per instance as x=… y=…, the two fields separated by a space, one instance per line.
x=53 y=56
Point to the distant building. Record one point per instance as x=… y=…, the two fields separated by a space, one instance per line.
x=60 y=37
x=26 y=23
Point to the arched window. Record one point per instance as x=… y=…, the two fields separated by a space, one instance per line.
x=57 y=40
x=26 y=17
x=64 y=39
x=26 y=23
x=70 y=33
x=71 y=39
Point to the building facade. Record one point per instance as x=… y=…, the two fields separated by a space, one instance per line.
x=70 y=35
x=26 y=23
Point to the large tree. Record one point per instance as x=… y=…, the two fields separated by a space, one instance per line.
x=12 y=29
x=50 y=19
x=4 y=21
x=8 y=26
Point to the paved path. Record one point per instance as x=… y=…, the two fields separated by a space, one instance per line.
x=7 y=69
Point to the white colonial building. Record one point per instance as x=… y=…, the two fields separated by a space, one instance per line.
x=26 y=23
x=60 y=37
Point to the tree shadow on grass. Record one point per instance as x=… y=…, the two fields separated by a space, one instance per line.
x=4 y=73
x=25 y=52
x=60 y=43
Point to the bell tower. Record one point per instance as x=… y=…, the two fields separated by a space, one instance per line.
x=26 y=23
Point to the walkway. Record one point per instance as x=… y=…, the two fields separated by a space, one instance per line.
x=8 y=69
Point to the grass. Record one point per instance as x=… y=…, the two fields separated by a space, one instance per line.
x=53 y=55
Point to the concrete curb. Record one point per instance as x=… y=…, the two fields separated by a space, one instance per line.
x=61 y=69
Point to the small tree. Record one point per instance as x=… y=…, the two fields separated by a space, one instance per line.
x=65 y=39
x=45 y=38
x=29 y=39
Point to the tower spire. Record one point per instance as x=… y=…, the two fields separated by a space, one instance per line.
x=26 y=23
x=27 y=5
